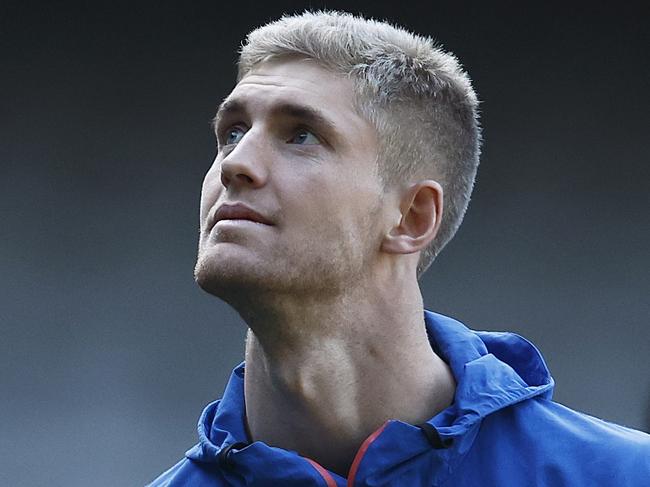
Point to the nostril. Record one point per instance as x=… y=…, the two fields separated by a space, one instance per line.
x=241 y=177
x=225 y=180
x=245 y=178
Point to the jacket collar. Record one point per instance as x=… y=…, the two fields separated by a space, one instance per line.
x=492 y=371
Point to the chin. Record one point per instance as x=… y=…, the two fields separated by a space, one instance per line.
x=232 y=274
x=219 y=276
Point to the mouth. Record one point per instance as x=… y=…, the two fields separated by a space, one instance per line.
x=236 y=212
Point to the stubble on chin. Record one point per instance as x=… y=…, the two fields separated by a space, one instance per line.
x=220 y=276
x=230 y=278
x=322 y=265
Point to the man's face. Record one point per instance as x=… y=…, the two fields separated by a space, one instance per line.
x=291 y=148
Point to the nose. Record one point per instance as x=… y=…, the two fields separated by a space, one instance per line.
x=245 y=164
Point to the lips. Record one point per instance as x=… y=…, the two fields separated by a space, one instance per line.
x=236 y=211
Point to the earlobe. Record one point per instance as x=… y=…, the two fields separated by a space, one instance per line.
x=421 y=210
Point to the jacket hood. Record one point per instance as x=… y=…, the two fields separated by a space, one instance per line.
x=492 y=371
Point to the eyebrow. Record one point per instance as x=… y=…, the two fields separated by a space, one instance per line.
x=227 y=107
x=311 y=116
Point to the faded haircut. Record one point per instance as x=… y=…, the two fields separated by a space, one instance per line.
x=416 y=95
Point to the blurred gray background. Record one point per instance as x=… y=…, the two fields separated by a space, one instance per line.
x=109 y=351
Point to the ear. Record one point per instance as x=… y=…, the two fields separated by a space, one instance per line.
x=421 y=213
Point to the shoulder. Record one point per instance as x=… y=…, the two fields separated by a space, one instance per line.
x=566 y=447
x=187 y=473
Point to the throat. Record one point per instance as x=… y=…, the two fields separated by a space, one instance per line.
x=324 y=401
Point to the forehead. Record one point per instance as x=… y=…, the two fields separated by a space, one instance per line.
x=298 y=76
x=298 y=82
x=299 y=73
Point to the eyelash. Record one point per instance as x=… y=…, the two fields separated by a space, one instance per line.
x=221 y=135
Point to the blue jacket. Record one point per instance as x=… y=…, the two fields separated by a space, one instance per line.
x=501 y=430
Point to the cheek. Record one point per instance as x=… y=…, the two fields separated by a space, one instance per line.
x=325 y=214
x=210 y=190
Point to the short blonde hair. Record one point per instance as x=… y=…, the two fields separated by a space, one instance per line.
x=417 y=96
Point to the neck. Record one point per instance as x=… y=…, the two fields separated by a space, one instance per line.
x=322 y=376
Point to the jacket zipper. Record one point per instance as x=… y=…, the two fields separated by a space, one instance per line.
x=329 y=480
x=362 y=451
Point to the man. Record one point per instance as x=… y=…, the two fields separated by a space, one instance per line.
x=346 y=157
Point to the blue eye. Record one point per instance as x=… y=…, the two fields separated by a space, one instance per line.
x=304 y=137
x=234 y=135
